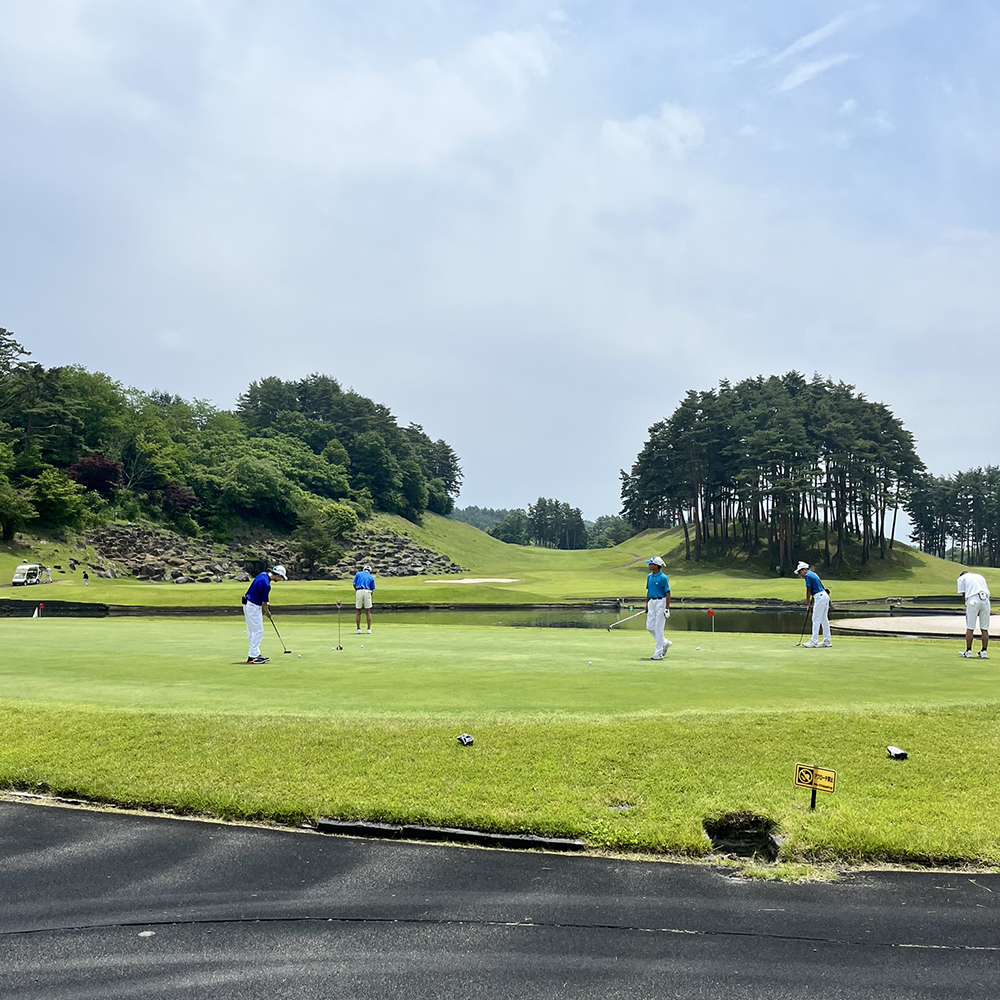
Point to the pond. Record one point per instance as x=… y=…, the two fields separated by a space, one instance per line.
x=681 y=619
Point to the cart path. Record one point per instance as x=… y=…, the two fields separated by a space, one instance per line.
x=102 y=904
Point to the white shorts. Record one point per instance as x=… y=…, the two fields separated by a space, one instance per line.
x=977 y=609
x=362 y=599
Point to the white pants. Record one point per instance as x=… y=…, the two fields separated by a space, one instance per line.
x=821 y=616
x=977 y=609
x=656 y=619
x=255 y=627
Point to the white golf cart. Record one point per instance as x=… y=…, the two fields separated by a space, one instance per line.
x=27 y=574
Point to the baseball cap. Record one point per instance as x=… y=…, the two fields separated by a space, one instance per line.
x=655 y=561
x=280 y=571
x=367 y=568
x=801 y=566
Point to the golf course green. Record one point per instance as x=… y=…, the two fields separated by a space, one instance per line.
x=577 y=733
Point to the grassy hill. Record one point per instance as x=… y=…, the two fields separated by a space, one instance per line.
x=514 y=574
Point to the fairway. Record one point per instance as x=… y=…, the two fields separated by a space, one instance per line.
x=576 y=731
x=537 y=576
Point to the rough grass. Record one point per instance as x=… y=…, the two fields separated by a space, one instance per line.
x=569 y=726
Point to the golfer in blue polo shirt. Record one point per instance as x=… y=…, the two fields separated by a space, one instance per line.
x=818 y=599
x=657 y=606
x=255 y=606
x=364 y=588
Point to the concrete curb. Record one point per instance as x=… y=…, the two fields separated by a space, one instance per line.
x=455 y=835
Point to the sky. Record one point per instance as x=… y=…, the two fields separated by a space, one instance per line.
x=529 y=228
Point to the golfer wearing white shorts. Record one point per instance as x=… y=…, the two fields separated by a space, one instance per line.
x=977 y=609
x=364 y=587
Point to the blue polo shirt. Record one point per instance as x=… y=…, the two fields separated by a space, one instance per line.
x=657 y=585
x=814 y=584
x=260 y=589
x=364 y=581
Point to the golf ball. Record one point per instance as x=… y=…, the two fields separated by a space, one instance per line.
x=362 y=645
x=300 y=656
x=697 y=647
x=590 y=663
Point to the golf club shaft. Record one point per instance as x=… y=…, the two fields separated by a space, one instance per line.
x=278 y=634
x=623 y=620
x=805 y=622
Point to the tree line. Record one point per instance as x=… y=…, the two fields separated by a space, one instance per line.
x=554 y=524
x=302 y=454
x=776 y=466
x=958 y=517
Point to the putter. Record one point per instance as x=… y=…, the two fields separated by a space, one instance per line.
x=621 y=621
x=805 y=622
x=278 y=634
x=338 y=625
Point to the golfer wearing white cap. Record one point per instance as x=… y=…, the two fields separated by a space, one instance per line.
x=976 y=592
x=255 y=606
x=657 y=605
x=364 y=587
x=817 y=598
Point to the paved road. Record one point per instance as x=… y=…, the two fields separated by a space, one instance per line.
x=101 y=905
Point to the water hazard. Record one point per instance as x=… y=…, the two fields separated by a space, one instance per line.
x=681 y=619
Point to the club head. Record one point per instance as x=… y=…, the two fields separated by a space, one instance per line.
x=288 y=652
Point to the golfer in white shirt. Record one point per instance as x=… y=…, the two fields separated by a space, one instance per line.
x=977 y=608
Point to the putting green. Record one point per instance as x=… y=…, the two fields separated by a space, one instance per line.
x=441 y=671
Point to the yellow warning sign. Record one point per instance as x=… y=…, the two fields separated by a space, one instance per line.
x=820 y=778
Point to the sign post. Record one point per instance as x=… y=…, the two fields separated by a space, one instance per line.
x=819 y=779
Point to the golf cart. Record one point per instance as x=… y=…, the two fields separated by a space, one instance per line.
x=26 y=574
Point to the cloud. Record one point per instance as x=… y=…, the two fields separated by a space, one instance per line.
x=359 y=117
x=675 y=129
x=809 y=71
x=813 y=38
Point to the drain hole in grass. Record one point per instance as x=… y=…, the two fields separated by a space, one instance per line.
x=620 y=807
x=743 y=834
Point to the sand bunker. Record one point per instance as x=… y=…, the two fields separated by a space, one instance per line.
x=467 y=579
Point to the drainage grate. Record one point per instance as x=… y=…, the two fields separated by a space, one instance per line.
x=743 y=834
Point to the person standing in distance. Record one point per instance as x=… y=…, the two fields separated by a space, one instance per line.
x=977 y=608
x=364 y=586
x=255 y=606
x=817 y=598
x=657 y=606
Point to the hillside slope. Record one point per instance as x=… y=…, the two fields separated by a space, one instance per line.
x=498 y=573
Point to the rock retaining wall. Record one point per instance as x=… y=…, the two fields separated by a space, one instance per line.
x=157 y=555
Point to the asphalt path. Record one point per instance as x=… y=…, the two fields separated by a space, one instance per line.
x=106 y=905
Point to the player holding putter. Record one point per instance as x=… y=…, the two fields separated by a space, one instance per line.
x=364 y=586
x=973 y=587
x=817 y=598
x=657 y=605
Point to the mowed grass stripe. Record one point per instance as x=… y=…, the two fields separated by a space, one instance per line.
x=155 y=712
